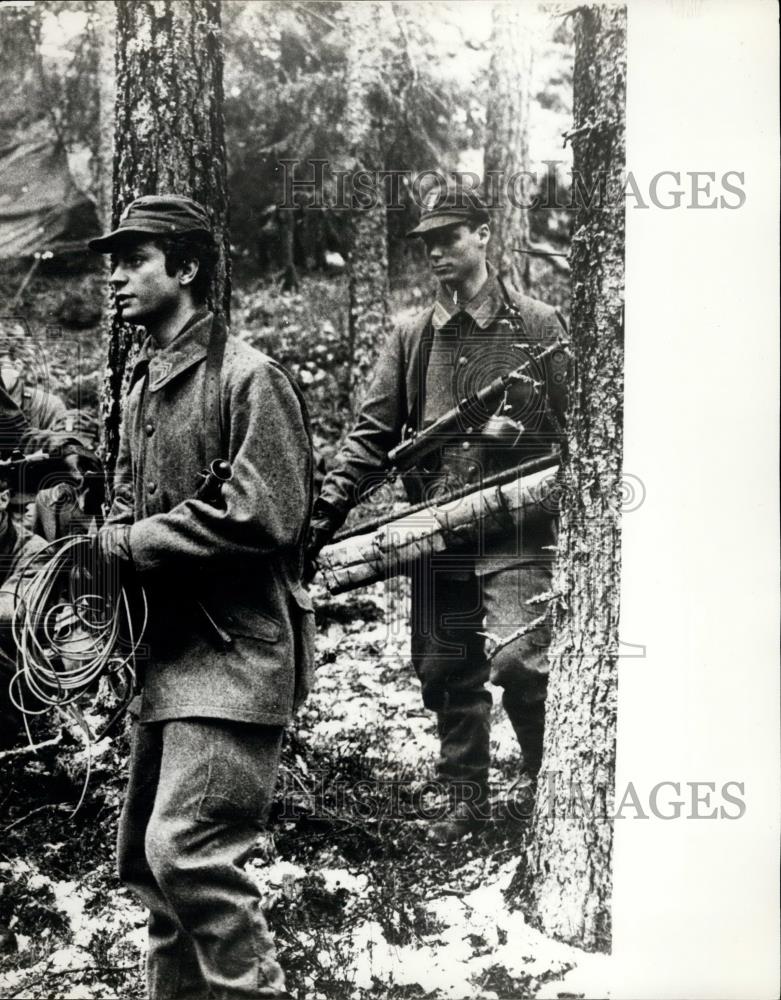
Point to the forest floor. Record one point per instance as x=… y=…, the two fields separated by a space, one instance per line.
x=362 y=905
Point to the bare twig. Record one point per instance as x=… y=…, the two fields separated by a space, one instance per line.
x=20 y=751
x=29 y=815
x=540 y=253
x=600 y=125
x=549 y=595
x=307 y=9
x=518 y=634
x=75 y=972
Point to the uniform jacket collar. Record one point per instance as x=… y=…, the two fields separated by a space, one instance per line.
x=187 y=348
x=482 y=309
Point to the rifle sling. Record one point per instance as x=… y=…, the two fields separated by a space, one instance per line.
x=212 y=404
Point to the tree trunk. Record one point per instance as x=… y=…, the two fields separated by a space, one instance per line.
x=169 y=138
x=287 y=232
x=368 y=257
x=105 y=32
x=507 y=143
x=564 y=881
x=21 y=82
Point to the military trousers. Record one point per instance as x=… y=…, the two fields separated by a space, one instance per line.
x=199 y=791
x=450 y=614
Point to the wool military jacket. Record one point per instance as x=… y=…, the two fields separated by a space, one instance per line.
x=17 y=547
x=427 y=365
x=208 y=570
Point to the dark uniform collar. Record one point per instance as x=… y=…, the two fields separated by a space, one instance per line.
x=482 y=309
x=189 y=346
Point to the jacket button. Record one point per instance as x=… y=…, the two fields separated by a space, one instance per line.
x=150 y=429
x=462 y=360
x=465 y=445
x=151 y=487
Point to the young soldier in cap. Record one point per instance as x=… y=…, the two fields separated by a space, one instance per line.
x=230 y=625
x=475 y=330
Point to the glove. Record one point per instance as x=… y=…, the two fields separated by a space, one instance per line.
x=112 y=544
x=326 y=521
x=110 y=554
x=320 y=534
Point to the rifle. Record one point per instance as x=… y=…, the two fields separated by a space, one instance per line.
x=528 y=468
x=469 y=414
x=378 y=553
x=17 y=459
x=24 y=473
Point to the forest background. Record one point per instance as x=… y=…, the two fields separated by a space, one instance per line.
x=286 y=86
x=359 y=908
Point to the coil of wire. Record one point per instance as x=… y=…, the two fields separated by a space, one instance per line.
x=74 y=623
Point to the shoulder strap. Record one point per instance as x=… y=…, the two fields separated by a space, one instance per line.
x=417 y=398
x=212 y=404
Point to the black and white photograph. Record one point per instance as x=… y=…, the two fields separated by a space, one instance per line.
x=389 y=544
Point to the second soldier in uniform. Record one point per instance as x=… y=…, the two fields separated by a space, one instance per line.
x=476 y=329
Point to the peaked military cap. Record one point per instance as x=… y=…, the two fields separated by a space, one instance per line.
x=155 y=215
x=448 y=205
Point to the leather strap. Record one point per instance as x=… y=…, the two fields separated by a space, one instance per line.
x=214 y=445
x=212 y=404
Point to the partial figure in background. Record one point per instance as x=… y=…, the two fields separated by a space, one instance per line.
x=23 y=407
x=17 y=545
x=70 y=500
x=477 y=329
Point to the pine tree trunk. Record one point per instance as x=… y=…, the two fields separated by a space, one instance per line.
x=287 y=230
x=22 y=98
x=169 y=138
x=368 y=258
x=507 y=143
x=105 y=32
x=565 y=880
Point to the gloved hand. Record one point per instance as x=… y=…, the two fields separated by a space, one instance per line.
x=112 y=543
x=320 y=534
x=326 y=521
x=110 y=553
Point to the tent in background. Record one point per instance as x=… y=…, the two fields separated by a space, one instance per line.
x=41 y=208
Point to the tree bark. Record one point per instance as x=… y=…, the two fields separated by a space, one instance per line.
x=506 y=158
x=105 y=33
x=564 y=881
x=21 y=82
x=368 y=257
x=169 y=138
x=287 y=231
x=392 y=548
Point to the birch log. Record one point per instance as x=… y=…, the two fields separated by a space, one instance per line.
x=391 y=549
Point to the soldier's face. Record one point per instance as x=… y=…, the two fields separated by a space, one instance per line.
x=143 y=289
x=456 y=253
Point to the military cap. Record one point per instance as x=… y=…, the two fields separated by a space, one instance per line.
x=155 y=215
x=448 y=205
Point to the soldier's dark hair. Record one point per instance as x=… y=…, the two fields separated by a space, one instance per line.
x=182 y=248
